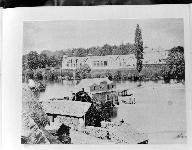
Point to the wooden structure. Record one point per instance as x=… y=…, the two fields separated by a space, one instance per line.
x=101 y=90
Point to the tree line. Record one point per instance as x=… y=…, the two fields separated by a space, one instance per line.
x=46 y=58
x=173 y=69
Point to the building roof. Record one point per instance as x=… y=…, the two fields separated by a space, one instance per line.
x=66 y=108
x=128 y=134
x=86 y=83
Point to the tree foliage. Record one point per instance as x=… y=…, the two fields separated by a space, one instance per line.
x=176 y=63
x=138 y=48
x=43 y=60
x=82 y=72
x=33 y=60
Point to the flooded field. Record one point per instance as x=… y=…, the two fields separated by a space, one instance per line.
x=159 y=111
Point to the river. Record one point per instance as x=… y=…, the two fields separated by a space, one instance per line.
x=160 y=108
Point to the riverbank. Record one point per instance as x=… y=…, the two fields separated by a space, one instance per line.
x=160 y=112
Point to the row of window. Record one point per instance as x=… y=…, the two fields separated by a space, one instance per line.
x=108 y=87
x=100 y=63
x=95 y=64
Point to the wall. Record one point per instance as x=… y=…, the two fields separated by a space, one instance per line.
x=69 y=121
x=103 y=86
x=96 y=132
x=97 y=62
x=101 y=97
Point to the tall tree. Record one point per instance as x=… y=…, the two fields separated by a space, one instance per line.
x=138 y=48
x=176 y=63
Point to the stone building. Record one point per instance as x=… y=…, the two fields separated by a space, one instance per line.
x=100 y=62
x=70 y=113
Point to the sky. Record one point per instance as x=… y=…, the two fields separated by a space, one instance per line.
x=62 y=35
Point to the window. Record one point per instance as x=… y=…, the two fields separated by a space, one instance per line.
x=102 y=63
x=105 y=63
x=108 y=97
x=97 y=63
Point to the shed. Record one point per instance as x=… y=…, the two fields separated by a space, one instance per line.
x=71 y=113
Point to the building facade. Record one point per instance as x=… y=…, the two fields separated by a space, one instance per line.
x=100 y=62
x=70 y=113
x=101 y=90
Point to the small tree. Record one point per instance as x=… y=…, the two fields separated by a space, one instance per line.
x=43 y=60
x=118 y=75
x=83 y=72
x=138 y=49
x=33 y=60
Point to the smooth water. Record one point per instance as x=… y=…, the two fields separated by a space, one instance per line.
x=61 y=89
x=159 y=107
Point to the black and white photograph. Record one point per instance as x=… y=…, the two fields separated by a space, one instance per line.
x=115 y=81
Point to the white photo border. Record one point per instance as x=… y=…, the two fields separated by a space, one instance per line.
x=12 y=63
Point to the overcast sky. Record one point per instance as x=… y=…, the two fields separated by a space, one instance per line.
x=57 y=35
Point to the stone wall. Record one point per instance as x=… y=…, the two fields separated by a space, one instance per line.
x=116 y=132
x=108 y=125
x=96 y=132
x=69 y=121
x=101 y=97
